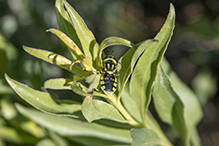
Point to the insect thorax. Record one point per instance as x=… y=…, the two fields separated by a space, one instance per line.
x=109 y=64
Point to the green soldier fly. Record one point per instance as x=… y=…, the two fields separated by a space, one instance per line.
x=108 y=80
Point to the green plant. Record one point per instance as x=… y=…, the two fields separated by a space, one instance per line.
x=111 y=117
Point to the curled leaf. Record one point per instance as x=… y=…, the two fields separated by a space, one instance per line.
x=111 y=41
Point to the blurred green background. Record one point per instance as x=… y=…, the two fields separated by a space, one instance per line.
x=193 y=51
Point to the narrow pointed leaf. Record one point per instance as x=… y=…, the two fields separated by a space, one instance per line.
x=97 y=109
x=42 y=100
x=88 y=42
x=65 y=24
x=56 y=59
x=69 y=43
x=139 y=51
x=169 y=105
x=144 y=137
x=145 y=71
x=126 y=64
x=72 y=128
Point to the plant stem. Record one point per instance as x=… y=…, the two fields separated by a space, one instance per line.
x=123 y=111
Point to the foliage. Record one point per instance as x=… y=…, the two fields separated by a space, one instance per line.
x=91 y=117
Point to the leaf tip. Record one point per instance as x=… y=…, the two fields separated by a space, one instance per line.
x=172 y=9
x=50 y=30
x=9 y=80
x=24 y=47
x=6 y=77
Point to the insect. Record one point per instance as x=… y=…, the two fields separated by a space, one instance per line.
x=108 y=80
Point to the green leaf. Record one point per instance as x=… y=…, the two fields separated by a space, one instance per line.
x=42 y=100
x=47 y=142
x=56 y=59
x=82 y=90
x=139 y=51
x=144 y=137
x=153 y=124
x=169 y=105
x=19 y=137
x=31 y=128
x=192 y=106
x=88 y=42
x=97 y=109
x=69 y=43
x=126 y=64
x=93 y=81
x=59 y=141
x=132 y=108
x=87 y=64
x=193 y=133
x=59 y=83
x=65 y=24
x=7 y=109
x=111 y=41
x=145 y=71
x=130 y=105
x=75 y=129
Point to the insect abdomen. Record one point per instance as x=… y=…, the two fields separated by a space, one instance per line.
x=108 y=83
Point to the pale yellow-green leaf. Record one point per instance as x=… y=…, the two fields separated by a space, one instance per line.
x=68 y=42
x=56 y=59
x=87 y=39
x=87 y=64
